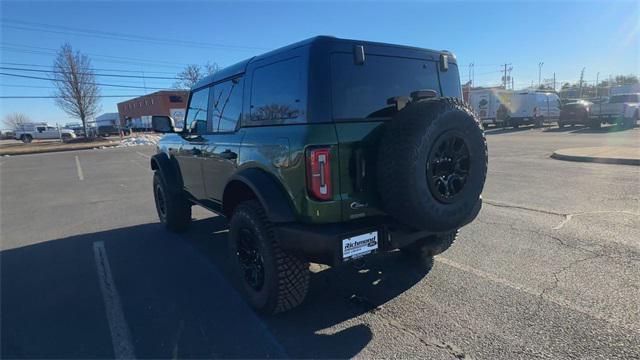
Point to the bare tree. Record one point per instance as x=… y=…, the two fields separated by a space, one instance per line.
x=193 y=73
x=76 y=90
x=14 y=119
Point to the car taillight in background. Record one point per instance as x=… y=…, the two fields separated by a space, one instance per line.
x=319 y=173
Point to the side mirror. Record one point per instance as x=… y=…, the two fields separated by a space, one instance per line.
x=162 y=124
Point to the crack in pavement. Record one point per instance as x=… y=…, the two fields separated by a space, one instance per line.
x=567 y=216
x=606 y=250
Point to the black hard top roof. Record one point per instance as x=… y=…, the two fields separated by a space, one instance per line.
x=240 y=67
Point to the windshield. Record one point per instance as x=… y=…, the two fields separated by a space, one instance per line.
x=362 y=91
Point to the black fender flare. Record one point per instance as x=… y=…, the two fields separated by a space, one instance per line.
x=271 y=195
x=168 y=169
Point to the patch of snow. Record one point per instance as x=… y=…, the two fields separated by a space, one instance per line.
x=137 y=140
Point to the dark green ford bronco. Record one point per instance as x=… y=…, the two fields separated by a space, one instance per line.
x=325 y=151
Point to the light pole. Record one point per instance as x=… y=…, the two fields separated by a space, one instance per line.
x=540 y=73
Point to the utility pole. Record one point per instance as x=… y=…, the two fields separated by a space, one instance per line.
x=597 y=76
x=471 y=75
x=554 y=81
x=581 y=80
x=504 y=76
x=540 y=73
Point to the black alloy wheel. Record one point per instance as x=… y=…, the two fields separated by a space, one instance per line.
x=251 y=261
x=448 y=166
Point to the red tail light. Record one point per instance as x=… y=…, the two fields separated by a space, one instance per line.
x=319 y=173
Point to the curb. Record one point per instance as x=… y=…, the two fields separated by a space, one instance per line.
x=595 y=159
x=35 y=151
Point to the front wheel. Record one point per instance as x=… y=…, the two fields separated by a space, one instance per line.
x=26 y=139
x=272 y=280
x=174 y=209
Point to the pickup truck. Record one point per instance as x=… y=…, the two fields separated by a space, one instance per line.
x=41 y=131
x=623 y=109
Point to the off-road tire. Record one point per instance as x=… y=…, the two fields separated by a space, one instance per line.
x=286 y=277
x=430 y=246
x=27 y=139
x=172 y=205
x=404 y=152
x=595 y=124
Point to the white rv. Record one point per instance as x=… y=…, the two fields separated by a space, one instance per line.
x=486 y=104
x=531 y=107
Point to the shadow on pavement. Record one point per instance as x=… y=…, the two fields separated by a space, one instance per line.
x=566 y=128
x=602 y=130
x=498 y=131
x=178 y=299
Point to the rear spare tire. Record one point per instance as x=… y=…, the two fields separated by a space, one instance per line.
x=432 y=164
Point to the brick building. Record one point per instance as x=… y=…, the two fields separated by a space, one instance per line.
x=136 y=113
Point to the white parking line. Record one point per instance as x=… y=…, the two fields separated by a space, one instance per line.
x=143 y=155
x=120 y=337
x=80 y=175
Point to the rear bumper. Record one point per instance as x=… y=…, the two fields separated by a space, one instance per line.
x=322 y=243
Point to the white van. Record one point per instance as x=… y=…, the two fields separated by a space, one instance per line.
x=486 y=102
x=532 y=108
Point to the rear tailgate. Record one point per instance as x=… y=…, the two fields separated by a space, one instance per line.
x=358 y=153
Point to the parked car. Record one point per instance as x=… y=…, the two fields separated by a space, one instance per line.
x=107 y=130
x=486 y=104
x=577 y=113
x=42 y=131
x=535 y=108
x=623 y=110
x=326 y=151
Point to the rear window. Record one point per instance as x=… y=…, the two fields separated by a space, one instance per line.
x=361 y=91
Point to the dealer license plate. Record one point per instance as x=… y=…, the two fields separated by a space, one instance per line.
x=361 y=245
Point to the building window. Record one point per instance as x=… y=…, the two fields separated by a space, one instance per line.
x=151 y=101
x=175 y=99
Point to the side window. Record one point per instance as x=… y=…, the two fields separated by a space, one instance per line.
x=277 y=94
x=227 y=105
x=196 y=120
x=40 y=128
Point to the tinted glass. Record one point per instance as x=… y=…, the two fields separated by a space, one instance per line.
x=196 y=119
x=277 y=94
x=227 y=105
x=450 y=81
x=361 y=91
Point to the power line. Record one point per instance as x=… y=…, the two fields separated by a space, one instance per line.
x=34 y=26
x=106 y=75
x=50 y=51
x=98 y=84
x=93 y=69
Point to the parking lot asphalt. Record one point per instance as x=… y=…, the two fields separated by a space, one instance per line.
x=549 y=269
